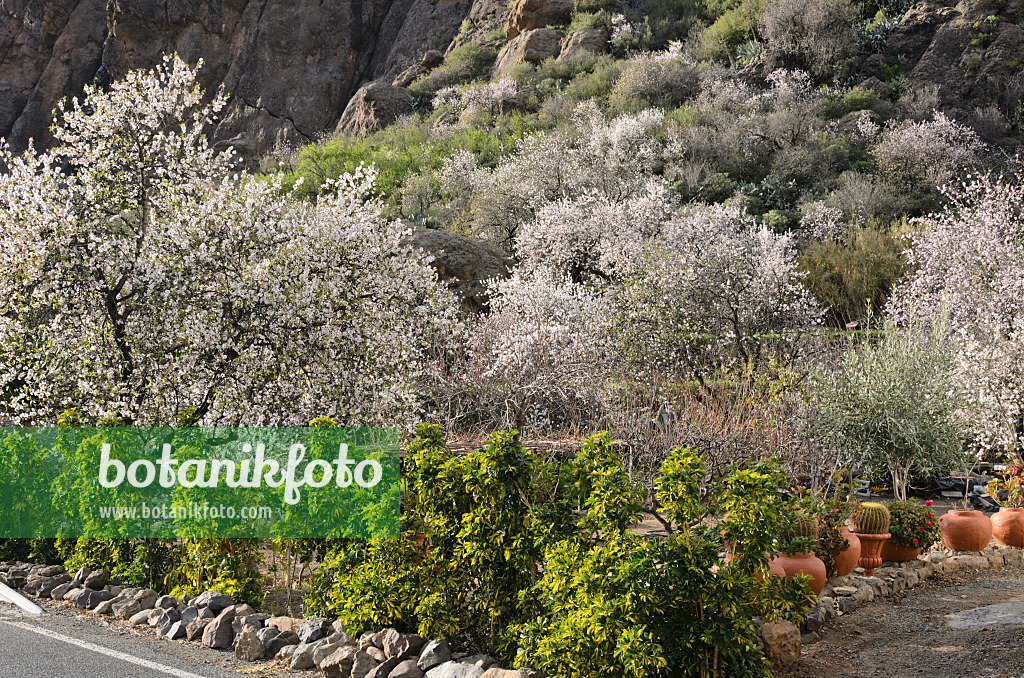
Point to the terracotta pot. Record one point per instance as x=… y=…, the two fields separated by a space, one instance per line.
x=871 y=551
x=776 y=568
x=965 y=530
x=895 y=553
x=808 y=563
x=1008 y=527
x=845 y=561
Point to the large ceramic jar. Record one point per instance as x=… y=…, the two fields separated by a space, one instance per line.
x=965 y=530
x=1008 y=527
x=845 y=561
x=807 y=563
x=895 y=553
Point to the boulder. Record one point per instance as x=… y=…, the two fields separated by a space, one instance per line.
x=389 y=668
x=401 y=645
x=213 y=600
x=338 y=664
x=267 y=634
x=48 y=584
x=372 y=108
x=166 y=619
x=302 y=657
x=484 y=661
x=97 y=580
x=464 y=264
x=376 y=653
x=166 y=602
x=219 y=634
x=189 y=614
x=435 y=652
x=532 y=46
x=140 y=617
x=527 y=15
x=78 y=580
x=326 y=649
x=495 y=672
x=248 y=646
x=280 y=641
x=581 y=43
x=362 y=664
x=781 y=644
x=314 y=629
x=194 y=631
x=177 y=630
x=431 y=60
x=406 y=669
x=93 y=598
x=58 y=591
x=284 y=623
x=455 y=670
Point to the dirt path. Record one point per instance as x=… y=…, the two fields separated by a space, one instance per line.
x=912 y=637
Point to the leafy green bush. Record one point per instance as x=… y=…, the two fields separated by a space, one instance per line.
x=854 y=99
x=625 y=606
x=854 y=277
x=536 y=561
x=734 y=26
x=466 y=62
x=585 y=21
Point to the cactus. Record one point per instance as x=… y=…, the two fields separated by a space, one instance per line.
x=871 y=518
x=806 y=526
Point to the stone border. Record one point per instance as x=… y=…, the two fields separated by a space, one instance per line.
x=843 y=595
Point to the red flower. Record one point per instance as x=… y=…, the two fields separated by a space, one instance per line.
x=929 y=502
x=915 y=542
x=929 y=524
x=931 y=515
x=921 y=528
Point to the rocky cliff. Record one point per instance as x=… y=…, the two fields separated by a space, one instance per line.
x=290 y=66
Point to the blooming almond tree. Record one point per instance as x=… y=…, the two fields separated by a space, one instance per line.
x=145 y=281
x=969 y=265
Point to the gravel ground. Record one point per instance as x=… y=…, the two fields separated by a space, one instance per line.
x=911 y=637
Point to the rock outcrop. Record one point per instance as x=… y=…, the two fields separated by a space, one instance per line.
x=527 y=15
x=373 y=107
x=533 y=46
x=288 y=66
x=464 y=264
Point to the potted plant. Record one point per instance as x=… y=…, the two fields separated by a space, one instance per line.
x=799 y=558
x=1008 y=524
x=838 y=548
x=966 y=529
x=912 y=528
x=871 y=523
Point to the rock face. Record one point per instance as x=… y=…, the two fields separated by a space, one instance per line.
x=464 y=264
x=534 y=46
x=967 y=68
x=527 y=15
x=288 y=66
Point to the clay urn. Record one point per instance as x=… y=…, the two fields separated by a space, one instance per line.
x=807 y=563
x=896 y=553
x=1008 y=527
x=871 y=551
x=965 y=530
x=845 y=561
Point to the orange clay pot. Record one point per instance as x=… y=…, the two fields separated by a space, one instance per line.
x=1008 y=527
x=776 y=568
x=965 y=530
x=845 y=561
x=807 y=563
x=871 y=551
x=894 y=553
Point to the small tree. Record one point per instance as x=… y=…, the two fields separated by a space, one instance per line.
x=891 y=406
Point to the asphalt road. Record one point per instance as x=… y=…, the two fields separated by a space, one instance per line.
x=63 y=646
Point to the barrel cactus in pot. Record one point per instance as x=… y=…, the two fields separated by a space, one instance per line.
x=871 y=523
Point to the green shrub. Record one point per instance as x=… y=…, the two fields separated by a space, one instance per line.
x=736 y=25
x=585 y=21
x=626 y=606
x=465 y=63
x=535 y=561
x=855 y=277
x=854 y=99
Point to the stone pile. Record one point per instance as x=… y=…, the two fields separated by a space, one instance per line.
x=216 y=622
